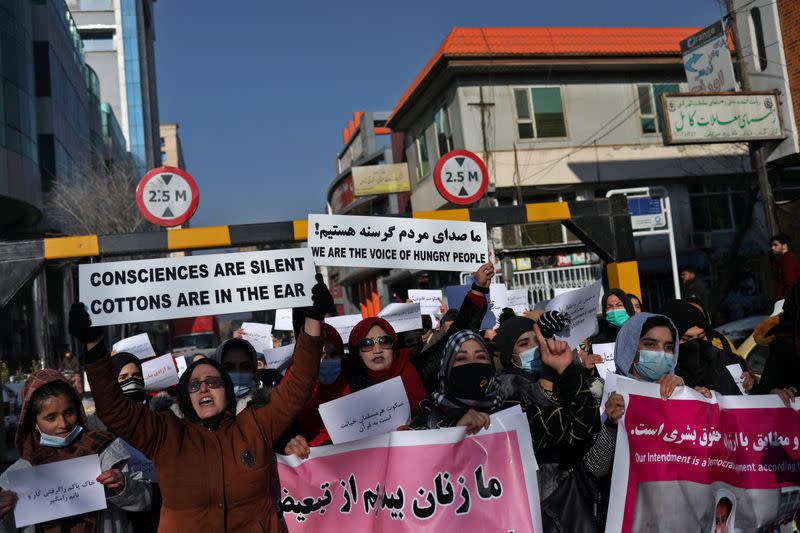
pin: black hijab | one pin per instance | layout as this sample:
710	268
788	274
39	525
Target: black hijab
185	402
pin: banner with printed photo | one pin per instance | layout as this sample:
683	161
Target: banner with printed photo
391	242
688	462
436	480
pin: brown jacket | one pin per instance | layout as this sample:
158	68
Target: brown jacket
211	480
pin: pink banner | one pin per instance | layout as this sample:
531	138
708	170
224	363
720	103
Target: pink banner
689	463
417	481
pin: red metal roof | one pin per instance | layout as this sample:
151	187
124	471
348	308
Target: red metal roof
544	42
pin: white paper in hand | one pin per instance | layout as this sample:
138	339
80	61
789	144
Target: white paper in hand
159	373
402	317
378	409
581	307
278	358
608	366
56	490
139	345
259	335
429	300
738	376
283	320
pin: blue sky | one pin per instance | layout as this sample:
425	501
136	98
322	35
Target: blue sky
262	90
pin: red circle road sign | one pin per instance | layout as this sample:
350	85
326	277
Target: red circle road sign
167	196
461	177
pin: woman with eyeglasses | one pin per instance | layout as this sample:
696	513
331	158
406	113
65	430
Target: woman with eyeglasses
214	467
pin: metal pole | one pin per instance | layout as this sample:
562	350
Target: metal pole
672	253
756	148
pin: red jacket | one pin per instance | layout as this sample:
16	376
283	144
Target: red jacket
788	273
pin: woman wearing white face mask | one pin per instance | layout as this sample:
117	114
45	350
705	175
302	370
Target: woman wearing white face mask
51	429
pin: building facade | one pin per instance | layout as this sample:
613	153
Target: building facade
571	114
118	37
171	147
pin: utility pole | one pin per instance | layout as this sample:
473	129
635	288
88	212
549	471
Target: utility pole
484	106
756	148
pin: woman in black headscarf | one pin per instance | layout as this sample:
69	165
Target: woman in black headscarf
700	363
616	310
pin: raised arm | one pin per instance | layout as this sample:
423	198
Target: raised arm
289	398
129	420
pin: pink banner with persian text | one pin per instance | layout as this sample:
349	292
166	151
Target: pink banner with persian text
730	463
437	480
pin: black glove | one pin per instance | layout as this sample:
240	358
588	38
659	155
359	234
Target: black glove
80	325
552	322
321	300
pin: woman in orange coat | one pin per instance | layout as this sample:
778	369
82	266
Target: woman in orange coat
214	467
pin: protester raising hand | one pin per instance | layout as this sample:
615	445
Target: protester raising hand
474	421
555	354
8	499
483	277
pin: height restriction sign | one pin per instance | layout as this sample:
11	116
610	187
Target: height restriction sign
167	196
461	177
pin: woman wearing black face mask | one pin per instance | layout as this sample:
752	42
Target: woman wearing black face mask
128	369
700	363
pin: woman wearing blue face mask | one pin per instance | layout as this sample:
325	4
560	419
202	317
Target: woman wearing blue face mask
308	429
616	309
240	360
51	429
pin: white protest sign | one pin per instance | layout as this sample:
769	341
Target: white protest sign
517	299
738	376
581	307
176	287
385	242
283	320
378	409
259	335
558	291
778	309
182	366
138	345
56	490
429	300
498	299
402	317
608	366
344	324
278	358
140	463
159	373
609	387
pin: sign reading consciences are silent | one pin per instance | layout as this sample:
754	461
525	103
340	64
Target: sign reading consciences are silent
162	289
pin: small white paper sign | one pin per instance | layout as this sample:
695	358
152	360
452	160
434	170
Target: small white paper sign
259	335
279	357
283	320
402	317
56	490
738	376
139	345
517	299
581	306
498	299
778	309
429	300
140	463
159	373
344	324
182	366
609	387
378	409
608	366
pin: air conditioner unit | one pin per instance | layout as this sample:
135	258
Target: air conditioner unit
509	237
701	239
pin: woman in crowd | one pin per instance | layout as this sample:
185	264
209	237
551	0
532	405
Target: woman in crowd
781	374
701	364
636	303
214	468
239	359
52	428
128	369
717	339
616	310
308	429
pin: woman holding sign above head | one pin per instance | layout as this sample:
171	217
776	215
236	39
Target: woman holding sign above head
53	428
214	468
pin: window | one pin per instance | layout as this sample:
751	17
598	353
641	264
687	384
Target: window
540	113
715	206
423	163
650	105
444	133
757	38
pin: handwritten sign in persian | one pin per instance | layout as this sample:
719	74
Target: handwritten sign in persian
55	490
580	308
389	242
378	409
381	179
721	117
